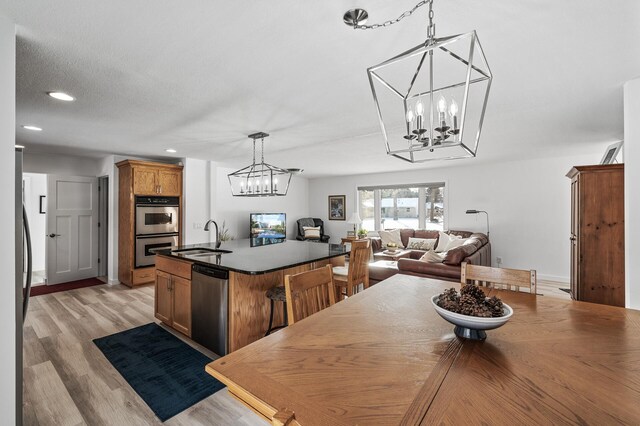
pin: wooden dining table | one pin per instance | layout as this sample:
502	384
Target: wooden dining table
385	357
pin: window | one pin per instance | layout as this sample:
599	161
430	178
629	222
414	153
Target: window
419	206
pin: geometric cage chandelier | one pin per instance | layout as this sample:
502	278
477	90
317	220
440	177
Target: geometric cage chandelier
259	179
431	99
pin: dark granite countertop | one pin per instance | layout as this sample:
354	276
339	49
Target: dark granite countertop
258	259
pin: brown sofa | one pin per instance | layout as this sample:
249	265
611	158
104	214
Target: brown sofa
477	252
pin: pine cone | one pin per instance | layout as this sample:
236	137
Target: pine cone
449	305
467	304
450	294
471	301
495	306
474	291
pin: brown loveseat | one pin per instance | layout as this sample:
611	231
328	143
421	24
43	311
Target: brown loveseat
477	251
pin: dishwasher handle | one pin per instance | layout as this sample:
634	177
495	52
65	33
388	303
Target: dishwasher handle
210	272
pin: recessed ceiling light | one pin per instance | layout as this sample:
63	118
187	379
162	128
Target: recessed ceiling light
61	96
171	150
34	128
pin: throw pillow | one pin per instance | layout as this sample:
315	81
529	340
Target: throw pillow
392	236
311	231
432	257
444	241
421	243
458	242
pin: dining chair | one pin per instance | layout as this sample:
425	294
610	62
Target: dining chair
356	273
499	278
309	292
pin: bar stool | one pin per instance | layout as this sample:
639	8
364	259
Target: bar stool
276	294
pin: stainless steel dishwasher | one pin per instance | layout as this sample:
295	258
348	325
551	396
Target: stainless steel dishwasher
209	308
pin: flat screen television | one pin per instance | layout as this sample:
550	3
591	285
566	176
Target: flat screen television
267	228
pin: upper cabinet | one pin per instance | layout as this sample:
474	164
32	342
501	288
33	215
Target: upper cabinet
170	182
144	180
150	180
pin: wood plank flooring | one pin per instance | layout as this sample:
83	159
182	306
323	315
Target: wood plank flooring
552	289
68	381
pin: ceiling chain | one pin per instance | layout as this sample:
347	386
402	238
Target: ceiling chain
399	18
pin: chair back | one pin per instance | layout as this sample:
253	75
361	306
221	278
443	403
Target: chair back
309	292
499	278
359	260
358	272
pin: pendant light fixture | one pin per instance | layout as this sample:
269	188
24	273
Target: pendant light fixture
259	179
431	99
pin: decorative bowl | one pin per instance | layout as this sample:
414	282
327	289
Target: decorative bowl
392	247
470	327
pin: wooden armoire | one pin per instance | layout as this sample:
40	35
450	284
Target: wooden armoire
597	234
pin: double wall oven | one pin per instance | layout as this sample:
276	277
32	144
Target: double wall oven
157	226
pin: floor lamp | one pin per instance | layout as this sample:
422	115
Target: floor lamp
481	211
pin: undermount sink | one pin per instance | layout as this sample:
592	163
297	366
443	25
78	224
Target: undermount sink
201	251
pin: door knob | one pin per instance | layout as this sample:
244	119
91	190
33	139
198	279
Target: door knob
53	235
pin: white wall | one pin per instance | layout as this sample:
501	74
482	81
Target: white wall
632	192
65	165
197	200
528	204
35	185
7	217
235	210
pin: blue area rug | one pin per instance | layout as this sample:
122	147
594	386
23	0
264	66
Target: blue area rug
167	373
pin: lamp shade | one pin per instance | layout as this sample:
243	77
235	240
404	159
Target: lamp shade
355	219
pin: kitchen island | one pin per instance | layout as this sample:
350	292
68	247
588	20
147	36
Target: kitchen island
252	270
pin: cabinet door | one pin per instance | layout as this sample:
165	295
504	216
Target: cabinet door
163	299
182	305
145	181
169	182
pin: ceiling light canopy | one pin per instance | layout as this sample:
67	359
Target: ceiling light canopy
259	179
31	127
61	96
431	99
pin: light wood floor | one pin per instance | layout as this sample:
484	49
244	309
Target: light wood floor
68	381
552	289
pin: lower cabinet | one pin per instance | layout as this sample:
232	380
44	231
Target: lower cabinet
173	298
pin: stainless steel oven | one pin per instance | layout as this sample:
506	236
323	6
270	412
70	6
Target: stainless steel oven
144	243
157	215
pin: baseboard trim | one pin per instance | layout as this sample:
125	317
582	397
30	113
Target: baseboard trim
555	278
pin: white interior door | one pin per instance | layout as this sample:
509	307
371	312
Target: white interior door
72	228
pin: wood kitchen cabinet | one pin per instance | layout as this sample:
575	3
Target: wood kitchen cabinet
143	178
173	294
156	181
163	297
597	234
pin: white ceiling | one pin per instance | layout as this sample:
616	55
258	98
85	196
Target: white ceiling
199	76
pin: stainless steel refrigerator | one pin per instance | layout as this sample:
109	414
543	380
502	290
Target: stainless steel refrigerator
23	276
